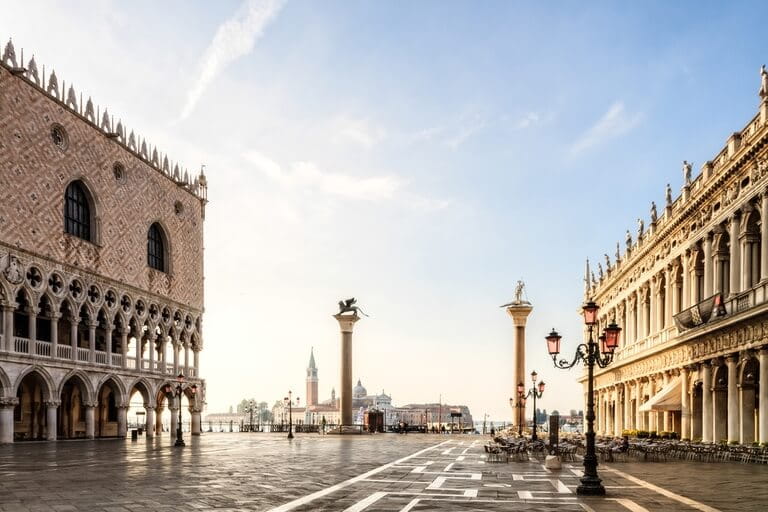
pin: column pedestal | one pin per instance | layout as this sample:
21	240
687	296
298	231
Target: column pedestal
733	400
90	420
707	424
122	421
52	409
195	422
174	421
150	421
346	325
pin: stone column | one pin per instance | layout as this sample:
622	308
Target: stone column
668	297
139	352
686	273
73	323
195	427
196	360
159	420
8	329
707	422
92	341
124	346
747	426
685	408
32	311
174	420
735	268
6	419
653	296
733	399
90	419
150	421
519	311
763	398
627	408
764	237
665	414
175	345
617	413
51	420
151	347
55	333
346	325
638	402
108	342
186	358
122	421
708	272
652	415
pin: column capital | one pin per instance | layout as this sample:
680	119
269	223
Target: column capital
126	407
10	401
90	405
52	403
346	323
55	316
92	324
732	358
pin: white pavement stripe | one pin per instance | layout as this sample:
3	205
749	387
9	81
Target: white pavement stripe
664	492
346	483
631	505
410	505
363	504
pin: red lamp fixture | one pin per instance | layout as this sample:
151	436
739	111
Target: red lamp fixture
534	375
541	387
612	336
590	313
553	343
520	388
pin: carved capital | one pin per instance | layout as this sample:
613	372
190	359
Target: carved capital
10	401
90	405
52	403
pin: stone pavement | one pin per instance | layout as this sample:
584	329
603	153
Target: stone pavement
354	474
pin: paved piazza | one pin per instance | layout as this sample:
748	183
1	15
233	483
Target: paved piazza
360	473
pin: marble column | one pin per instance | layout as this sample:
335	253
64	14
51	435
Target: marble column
90	419
92	341
665	415
627	407
149	426
747	425
196	359
139	352
668	297
733	399
175	345
196	429
519	311
652	415
6	419
55	333
618	420
51	419
346	325
763	398
151	348
653	296
174	420
8	328
159	420
686	273
708	272
108	342
707	422
32	312
735	257
638	402
685	409
764	237
74	321
124	346
186	358
122	421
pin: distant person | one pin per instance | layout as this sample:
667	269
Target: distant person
493	431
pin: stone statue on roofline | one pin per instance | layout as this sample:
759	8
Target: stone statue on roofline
600	271
687	172
668	195
763	82
628	239
640	228
607	262
654	214
618	251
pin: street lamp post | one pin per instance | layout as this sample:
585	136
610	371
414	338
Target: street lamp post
517	404
249	410
590	354
177	392
535	393
289	401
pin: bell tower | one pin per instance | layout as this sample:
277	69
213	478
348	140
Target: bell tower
311	380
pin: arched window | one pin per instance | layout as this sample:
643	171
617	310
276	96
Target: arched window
156	248
77	211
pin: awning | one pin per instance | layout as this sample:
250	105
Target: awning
668	399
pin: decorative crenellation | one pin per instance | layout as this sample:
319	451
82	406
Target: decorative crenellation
102	120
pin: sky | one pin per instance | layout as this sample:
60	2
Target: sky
420	156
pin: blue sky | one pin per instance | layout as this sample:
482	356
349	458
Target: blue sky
422	156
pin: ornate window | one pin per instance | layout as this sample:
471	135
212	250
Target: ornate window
77	211
156	248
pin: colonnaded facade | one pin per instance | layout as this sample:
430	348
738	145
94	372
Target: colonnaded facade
101	266
691	294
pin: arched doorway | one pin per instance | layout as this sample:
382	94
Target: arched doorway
30	420
697	412
720	403
107	416
140	412
72	416
748	398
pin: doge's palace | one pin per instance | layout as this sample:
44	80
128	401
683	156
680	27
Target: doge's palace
101	266
690	291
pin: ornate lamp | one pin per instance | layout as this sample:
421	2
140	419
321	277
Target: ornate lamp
553	343
590	313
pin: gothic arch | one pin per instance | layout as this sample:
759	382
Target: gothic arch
44	376
94	205
118	385
5	384
85	384
166	245
144	388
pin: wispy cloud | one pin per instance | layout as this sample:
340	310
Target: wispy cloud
234	38
530	119
614	123
452	134
308	175
362	132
